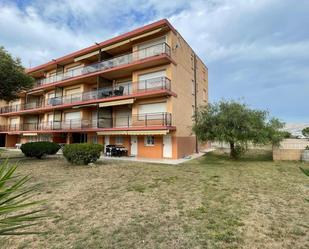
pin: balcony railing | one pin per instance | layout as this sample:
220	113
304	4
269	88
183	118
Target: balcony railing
125	121
116	61
159	83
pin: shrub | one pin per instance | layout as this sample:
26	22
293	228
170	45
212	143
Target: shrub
82	154
39	149
307	147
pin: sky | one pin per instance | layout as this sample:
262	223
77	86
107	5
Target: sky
256	51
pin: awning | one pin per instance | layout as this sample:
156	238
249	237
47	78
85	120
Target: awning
85	56
146	34
149	132
117	102
29	134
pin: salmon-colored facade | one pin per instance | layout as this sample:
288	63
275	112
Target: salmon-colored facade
139	90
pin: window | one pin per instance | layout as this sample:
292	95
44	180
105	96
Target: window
204	95
94	139
193	87
119	140
151	80
149	140
204	75
151	48
153	111
74	71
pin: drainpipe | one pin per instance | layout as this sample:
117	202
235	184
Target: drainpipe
195	99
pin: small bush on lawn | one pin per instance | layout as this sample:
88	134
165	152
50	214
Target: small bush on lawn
82	154
39	149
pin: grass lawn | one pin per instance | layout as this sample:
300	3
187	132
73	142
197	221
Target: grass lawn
211	202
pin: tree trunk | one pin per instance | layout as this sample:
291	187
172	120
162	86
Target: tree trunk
232	152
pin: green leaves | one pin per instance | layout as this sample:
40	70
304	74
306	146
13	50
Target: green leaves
16	202
236	124
82	154
13	78
40	149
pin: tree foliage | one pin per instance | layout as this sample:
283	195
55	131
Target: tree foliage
236	124
305	132
13	78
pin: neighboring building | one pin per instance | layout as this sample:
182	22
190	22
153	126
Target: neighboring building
139	89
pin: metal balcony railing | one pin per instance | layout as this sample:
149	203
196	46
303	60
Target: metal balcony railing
136	120
158	83
161	48
123	121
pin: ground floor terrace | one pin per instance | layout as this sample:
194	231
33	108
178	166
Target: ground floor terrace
155	144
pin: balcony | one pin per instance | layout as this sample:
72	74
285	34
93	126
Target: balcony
137	121
154	86
126	59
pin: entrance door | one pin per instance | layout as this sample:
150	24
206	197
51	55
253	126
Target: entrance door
2	140
167	146
106	142
79	138
133	145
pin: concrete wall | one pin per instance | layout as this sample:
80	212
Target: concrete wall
290	149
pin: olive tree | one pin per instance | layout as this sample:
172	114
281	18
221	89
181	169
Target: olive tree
13	78
235	123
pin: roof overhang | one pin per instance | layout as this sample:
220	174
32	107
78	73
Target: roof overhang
95	48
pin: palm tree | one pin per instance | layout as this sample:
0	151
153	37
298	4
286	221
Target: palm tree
15	202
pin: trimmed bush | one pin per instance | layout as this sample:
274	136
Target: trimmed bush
39	149
82	154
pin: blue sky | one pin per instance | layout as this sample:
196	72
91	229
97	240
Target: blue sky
256	50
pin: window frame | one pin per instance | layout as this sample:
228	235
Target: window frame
119	142
152	140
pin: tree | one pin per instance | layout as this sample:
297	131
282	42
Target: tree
15	201
305	132
236	124
13	78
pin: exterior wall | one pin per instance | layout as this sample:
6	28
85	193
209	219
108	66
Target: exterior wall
155	151
290	150
185	146
182	77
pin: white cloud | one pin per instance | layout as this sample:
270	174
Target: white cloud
252	47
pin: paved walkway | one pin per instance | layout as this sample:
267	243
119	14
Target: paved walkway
161	161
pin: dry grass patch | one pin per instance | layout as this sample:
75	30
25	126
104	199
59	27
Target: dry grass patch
211	202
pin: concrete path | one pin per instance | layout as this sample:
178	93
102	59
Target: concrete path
161	161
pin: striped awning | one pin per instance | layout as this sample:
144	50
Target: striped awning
149	132
117	102
29	134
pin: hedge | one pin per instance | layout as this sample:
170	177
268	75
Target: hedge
82	154
39	149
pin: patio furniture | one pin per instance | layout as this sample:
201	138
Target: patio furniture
119	92
106	93
115	151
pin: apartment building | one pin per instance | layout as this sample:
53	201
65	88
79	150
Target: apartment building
139	90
